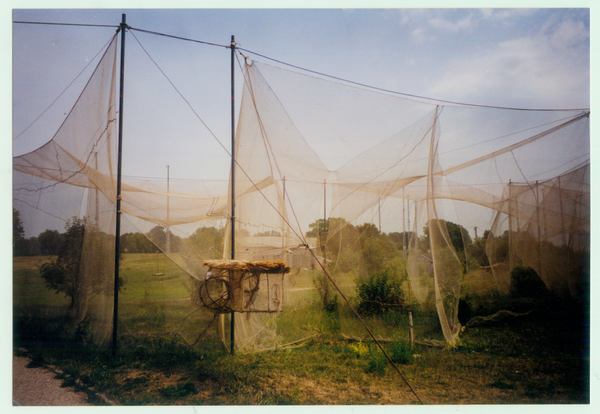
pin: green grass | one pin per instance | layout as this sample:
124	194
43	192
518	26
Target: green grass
541	358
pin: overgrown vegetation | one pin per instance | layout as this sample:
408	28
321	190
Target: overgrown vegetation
542	357
379	294
525	283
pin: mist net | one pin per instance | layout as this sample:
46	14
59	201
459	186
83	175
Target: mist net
328	176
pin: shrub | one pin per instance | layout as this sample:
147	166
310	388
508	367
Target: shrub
377	362
401	352
359	349
379	294
331	314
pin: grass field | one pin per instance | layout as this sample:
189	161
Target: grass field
539	358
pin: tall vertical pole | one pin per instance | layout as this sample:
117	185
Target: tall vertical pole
403	226
284	229
539	232
379	211
562	215
168	232
118	215
325	227
510	236
97	212
232	334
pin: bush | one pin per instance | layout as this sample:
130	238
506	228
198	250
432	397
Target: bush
331	315
377	362
378	295
525	283
401	352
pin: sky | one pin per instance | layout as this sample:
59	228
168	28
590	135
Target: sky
525	57
533	58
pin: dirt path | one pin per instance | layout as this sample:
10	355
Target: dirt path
38	387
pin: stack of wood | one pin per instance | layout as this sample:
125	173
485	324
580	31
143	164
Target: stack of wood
267	266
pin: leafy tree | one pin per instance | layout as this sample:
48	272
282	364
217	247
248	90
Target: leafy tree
158	237
318	228
208	242
459	236
50	242
477	251
368	230
18	233
30	247
65	274
379	294
136	243
377	251
401	238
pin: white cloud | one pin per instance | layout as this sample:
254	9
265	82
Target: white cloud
546	70
419	35
449	26
569	34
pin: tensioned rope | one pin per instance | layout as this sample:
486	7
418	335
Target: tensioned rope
358	83
414	96
218	140
64	90
321	74
300	236
433	100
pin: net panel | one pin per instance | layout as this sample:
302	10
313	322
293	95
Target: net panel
327	175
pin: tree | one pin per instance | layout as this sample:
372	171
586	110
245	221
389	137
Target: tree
477	251
50	242
208	242
368	230
31	247
459	236
65	274
158	237
136	243
377	251
18	233
318	228
401	238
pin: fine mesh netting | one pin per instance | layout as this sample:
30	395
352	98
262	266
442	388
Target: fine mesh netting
328	175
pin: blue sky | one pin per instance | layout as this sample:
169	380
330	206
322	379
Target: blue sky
533	58
530	58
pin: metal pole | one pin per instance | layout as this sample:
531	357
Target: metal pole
123	26
539	227
96	213
232	334
403	226
325	227
510	236
168	235
379	211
